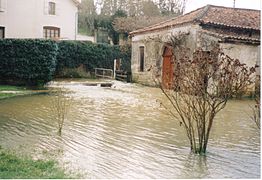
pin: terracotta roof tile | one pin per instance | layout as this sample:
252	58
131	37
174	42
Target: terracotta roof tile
233	17
210	14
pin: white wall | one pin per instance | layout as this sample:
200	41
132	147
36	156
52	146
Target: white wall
81	37
248	54
26	18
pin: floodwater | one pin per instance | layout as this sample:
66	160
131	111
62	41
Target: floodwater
122	132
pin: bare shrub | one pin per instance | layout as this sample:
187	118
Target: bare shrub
201	88
255	117
60	107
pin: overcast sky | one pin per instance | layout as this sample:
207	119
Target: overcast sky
249	4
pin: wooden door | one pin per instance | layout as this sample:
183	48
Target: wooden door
167	68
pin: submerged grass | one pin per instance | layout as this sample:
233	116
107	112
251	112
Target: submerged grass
7	91
4	91
15	167
11	88
7	95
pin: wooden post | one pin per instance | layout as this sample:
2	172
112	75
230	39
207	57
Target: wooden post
114	69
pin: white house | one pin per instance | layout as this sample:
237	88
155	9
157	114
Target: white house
55	19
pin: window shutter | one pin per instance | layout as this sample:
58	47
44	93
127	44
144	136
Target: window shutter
46	7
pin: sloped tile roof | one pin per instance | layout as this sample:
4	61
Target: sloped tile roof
232	17
210	14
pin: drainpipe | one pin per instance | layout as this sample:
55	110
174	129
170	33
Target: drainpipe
76	24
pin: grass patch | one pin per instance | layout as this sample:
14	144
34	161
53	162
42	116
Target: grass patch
11	88
14	167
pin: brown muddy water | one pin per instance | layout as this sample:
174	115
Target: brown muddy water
122	132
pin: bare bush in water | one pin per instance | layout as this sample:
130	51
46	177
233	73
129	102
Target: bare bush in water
255	117
60	107
201	88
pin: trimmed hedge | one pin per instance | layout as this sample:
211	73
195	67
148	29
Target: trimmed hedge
31	62
34	62
74	53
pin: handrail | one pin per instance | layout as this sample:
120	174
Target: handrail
103	74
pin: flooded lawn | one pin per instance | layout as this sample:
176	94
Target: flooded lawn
122	132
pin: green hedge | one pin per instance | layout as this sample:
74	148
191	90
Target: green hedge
30	62
34	62
74	53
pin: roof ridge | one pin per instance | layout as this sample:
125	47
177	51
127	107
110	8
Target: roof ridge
203	13
217	6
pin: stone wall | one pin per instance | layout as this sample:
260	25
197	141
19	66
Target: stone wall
153	44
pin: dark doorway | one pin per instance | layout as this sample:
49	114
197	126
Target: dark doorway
2	32
141	59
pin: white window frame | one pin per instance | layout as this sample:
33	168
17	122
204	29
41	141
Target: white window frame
50	10
46	7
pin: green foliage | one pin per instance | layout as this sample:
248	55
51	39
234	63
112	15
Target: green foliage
72	54
12	167
104	23
126	57
30	62
34	62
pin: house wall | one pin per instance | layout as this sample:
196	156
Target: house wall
153	49
25	19
248	54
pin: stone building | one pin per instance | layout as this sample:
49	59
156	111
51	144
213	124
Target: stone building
237	31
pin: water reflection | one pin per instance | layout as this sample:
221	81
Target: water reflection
198	165
122	132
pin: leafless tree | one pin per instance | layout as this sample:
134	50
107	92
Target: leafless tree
128	24
201	88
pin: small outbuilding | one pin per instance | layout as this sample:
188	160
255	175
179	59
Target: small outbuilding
236	31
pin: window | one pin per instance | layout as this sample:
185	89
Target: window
141	59
2	32
51	8
50	32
